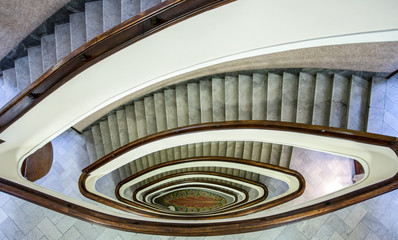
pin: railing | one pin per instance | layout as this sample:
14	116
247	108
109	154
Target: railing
133	30
219	228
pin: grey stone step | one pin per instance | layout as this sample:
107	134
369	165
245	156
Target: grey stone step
289	97
106	136
245	95
305	99
266	150
286	156
114	131
77	30
140	118
275	154
130	8
358	104
218	98
122	127
92	155
94	19
259	101
340	101
99	146
111	13
231	103
247	154
131	123
193	103
115	141
62	40
48	52
10	82
182	105
22	73
238	153
377	105
35	63
150	115
147	4
206	102
160	111
274	97
322	100
171	108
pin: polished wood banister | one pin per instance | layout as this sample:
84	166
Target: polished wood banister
353	135
194	184
135	29
206	215
242	226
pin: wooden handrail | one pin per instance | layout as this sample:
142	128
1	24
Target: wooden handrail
203	215
135	29
194	184
219	228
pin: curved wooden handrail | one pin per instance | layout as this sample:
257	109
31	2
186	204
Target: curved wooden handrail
242	226
148	211
194	185
186	216
135	29
206	215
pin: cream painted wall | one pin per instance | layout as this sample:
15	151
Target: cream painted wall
241	29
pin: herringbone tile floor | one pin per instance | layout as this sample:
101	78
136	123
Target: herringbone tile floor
373	219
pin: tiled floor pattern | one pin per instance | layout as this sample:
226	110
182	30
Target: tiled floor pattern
376	218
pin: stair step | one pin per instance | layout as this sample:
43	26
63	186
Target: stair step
231	103
182	105
171	108
275	154
266	152
377	105
106	136
322	100
358	104
48	52
122	127
140	118
274	97
206	102
218	98
130	8
94	19
62	40
147	4
131	123
193	103
150	115
10	82
259	106
99	146
77	30
305	99
112	13
88	136
286	156
35	63
22	73
114	131
289	97
160	111
340	101
245	97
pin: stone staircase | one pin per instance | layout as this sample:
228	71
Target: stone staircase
98	17
319	97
